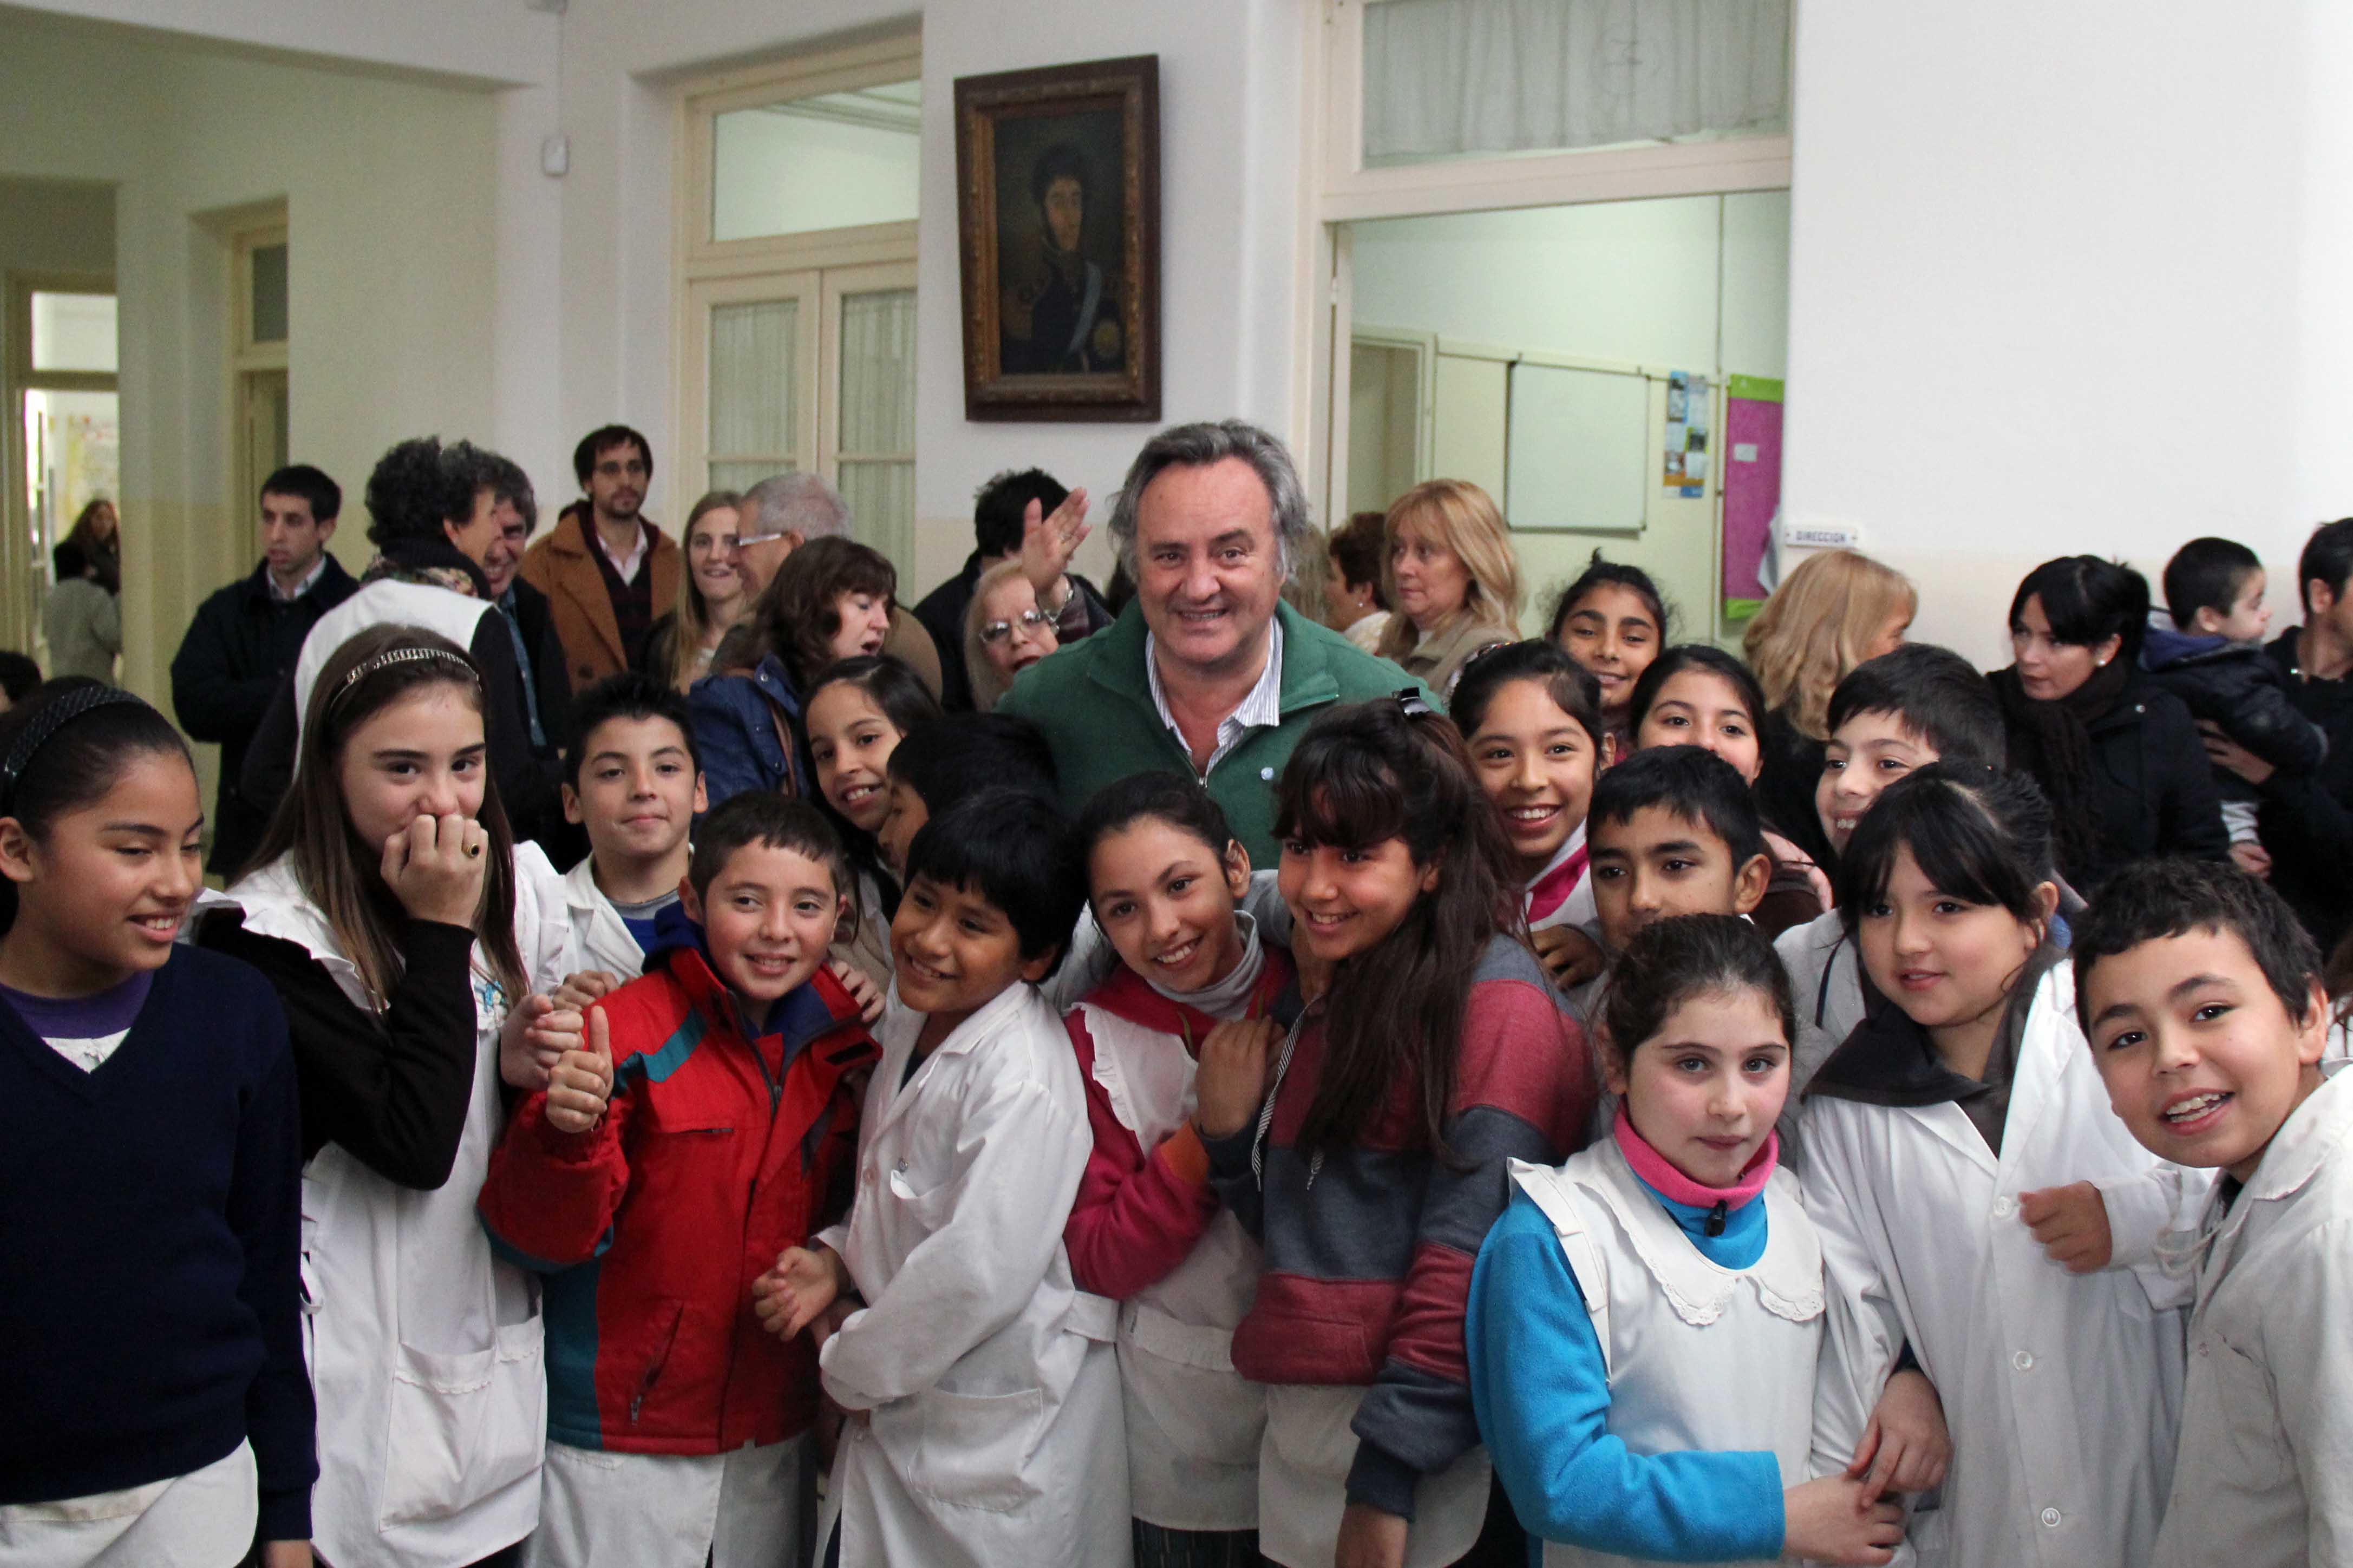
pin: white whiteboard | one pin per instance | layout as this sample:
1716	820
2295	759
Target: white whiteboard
1577	449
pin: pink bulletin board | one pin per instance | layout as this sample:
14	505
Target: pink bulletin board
1752	480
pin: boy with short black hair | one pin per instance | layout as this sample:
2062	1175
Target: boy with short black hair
1672	830
934	765
1891	716
697	1129
635	784
2201	995
2208	651
988	1423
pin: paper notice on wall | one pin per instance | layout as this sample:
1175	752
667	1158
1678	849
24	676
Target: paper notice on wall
1685	470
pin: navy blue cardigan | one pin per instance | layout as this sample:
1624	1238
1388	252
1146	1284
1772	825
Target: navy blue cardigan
151	1247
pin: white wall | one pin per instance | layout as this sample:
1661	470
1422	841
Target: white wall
1619	280
1230	145
2068	278
1697	283
389	190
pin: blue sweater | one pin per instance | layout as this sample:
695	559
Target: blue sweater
1542	1395
150	1250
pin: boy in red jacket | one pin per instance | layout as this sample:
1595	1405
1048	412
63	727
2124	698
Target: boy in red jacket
699	1132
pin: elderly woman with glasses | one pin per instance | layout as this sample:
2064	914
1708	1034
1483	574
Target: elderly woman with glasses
1005	633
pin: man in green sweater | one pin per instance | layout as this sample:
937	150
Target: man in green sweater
1207	671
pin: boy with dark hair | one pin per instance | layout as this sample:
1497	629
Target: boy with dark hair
939	764
952	1264
2201	996
2211	657
1016	516
712	1100
18	677
1672	830
1890	716
636	786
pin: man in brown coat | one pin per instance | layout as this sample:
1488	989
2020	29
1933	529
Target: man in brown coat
608	573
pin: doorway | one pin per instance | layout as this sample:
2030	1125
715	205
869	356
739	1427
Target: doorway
65	432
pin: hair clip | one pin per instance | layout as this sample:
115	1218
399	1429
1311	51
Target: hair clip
54	715
1411	704
412	655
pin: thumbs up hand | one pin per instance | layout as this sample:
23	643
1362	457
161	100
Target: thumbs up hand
582	1080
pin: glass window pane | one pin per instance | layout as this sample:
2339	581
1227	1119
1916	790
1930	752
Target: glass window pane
1451	78
881	498
270	294
73	454
73	333
878	371
753	413
834	161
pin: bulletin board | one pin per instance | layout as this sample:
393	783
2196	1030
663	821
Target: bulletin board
1752	481
1576	454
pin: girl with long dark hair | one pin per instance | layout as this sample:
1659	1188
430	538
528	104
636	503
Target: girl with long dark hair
1438	1052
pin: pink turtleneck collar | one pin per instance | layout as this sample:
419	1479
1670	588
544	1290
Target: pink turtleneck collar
1671	1185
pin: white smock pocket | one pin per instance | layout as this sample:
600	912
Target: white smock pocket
971	1450
462	1427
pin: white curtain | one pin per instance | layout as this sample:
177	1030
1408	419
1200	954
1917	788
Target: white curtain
878	419
1444	78
752	404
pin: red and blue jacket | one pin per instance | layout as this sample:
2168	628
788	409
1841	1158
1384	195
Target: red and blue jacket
716	1151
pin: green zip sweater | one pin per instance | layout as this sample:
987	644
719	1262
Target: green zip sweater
1093	699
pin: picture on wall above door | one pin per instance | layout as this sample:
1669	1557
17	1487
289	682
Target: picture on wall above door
1058	215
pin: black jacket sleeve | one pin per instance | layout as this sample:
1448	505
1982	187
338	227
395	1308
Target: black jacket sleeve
268	771
526	784
2189	810
392	1087
264	1208
2265	722
214	700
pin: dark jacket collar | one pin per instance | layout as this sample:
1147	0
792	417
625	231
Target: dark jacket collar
812	1011
333	586
1888	1059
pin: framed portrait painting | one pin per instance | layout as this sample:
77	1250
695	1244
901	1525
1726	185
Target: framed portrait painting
1057	211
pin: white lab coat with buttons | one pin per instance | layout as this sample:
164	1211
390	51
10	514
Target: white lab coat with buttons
598	940
994	1438
424	1349
2265	1477
2063	1391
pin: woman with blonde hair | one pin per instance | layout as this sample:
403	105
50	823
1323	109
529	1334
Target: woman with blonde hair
713	595
1452	580
1005	633
1835	610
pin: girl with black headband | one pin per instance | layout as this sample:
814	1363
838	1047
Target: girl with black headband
154	1408
408	933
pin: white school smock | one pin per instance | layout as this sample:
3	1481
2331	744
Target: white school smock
1701	1358
994	1434
425	1351
740	1509
1826	983
597	938
1194	1424
2267	1419
2063	1391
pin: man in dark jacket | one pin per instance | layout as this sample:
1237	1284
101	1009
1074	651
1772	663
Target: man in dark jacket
1002	532
244	639
2307	818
